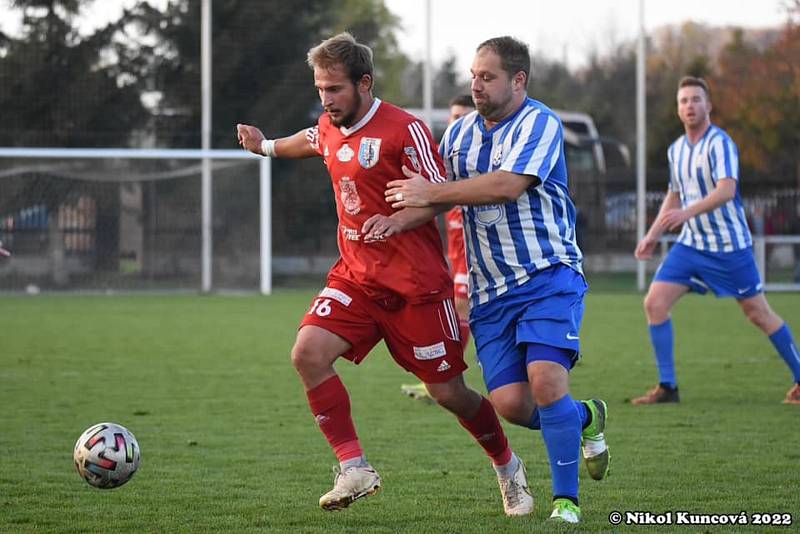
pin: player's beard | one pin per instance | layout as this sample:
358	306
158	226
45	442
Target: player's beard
348	119
493	110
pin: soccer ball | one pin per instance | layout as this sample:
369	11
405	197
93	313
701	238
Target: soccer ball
106	455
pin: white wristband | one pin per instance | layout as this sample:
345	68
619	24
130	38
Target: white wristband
268	148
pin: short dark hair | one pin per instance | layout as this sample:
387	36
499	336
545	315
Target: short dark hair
462	100
342	49
693	81
514	55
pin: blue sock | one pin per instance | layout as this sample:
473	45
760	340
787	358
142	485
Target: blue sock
787	348
661	338
561	430
535	423
583	412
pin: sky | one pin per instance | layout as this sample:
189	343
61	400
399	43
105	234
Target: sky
559	29
562	29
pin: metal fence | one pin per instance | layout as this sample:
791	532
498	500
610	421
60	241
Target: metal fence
133	224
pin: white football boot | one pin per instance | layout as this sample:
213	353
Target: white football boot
349	486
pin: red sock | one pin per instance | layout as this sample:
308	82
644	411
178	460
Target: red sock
486	429
463	330
330	405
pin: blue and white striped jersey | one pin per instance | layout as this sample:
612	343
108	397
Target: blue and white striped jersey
694	173
508	243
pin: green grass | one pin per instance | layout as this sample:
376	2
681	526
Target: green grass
228	443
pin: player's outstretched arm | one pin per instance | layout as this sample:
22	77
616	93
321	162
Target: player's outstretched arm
296	146
381	226
496	187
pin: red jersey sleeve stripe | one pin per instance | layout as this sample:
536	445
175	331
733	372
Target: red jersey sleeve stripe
425	152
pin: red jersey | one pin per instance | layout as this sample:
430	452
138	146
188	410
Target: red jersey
361	160
456	253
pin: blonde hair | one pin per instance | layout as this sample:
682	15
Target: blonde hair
342	49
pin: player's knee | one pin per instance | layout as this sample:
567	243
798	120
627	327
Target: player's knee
546	390
514	410
455	397
759	316
305	355
655	307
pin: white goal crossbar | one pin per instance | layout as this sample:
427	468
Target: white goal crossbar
265	187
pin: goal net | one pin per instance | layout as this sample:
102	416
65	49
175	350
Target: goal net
106	220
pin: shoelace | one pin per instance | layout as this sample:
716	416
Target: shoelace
512	491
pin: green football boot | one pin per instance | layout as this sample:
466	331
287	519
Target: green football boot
593	442
565	511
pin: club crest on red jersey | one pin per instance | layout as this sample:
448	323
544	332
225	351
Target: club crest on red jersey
411	152
345	153
349	195
369	152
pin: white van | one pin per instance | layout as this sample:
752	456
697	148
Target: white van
585	149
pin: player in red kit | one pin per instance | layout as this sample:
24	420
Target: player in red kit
456	256
394	289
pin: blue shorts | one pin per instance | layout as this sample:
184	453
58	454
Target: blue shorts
727	274
546	310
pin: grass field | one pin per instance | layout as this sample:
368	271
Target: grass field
228	443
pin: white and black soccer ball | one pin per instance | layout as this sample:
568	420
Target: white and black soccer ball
106	455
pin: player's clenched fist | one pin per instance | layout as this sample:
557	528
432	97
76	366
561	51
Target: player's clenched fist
250	138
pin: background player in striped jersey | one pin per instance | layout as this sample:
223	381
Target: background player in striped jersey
456	254
396	290
714	249
508	168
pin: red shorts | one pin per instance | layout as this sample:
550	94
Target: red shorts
422	338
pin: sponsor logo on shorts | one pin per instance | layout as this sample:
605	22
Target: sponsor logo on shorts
444	366
336	295
431	352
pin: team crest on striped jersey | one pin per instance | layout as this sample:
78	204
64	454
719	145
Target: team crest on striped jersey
497	159
369	151
349	195
489	215
411	152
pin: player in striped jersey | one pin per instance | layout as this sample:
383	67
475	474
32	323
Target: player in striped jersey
396	290
507	168
714	249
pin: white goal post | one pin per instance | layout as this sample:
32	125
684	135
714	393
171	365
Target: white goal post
265	196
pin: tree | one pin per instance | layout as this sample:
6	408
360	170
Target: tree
57	88
758	95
